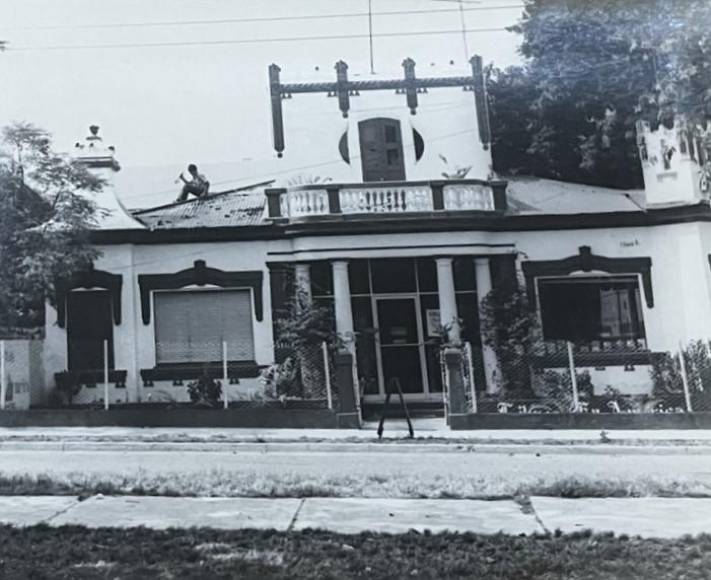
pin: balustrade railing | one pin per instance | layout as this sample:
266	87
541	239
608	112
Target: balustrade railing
386	198
397	199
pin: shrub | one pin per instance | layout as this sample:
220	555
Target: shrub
205	391
511	328
67	387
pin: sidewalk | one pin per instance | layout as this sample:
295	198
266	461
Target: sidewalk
427	431
647	517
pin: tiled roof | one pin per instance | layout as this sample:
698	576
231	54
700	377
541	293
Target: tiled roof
230	208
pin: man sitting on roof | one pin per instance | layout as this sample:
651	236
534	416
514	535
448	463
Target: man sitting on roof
198	185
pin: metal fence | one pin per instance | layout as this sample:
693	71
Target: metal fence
563	377
303	372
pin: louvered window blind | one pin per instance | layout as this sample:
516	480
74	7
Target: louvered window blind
191	326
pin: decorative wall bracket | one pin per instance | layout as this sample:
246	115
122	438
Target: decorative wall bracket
586	261
200	275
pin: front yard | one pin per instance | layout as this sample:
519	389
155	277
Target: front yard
78	553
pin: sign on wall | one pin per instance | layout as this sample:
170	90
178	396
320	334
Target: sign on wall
434	322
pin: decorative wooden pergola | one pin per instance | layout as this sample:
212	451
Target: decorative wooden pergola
410	86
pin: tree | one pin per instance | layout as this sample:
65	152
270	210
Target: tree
44	223
593	68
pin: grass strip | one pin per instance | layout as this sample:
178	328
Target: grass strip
141	554
224	483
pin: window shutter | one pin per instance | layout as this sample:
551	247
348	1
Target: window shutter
192	325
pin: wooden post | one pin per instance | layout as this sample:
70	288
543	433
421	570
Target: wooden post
106	375
684	378
327	375
225	378
573	378
3	378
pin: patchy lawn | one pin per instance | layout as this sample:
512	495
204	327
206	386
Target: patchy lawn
137	554
222	483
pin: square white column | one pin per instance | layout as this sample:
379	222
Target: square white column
342	303
483	287
302	279
449	318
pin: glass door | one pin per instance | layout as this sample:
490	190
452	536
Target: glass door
400	349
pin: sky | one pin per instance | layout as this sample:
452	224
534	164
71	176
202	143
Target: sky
180	81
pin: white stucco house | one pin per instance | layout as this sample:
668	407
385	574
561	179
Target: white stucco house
409	231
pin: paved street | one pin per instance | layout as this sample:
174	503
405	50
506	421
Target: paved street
506	461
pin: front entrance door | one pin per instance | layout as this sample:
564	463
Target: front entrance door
381	150
401	352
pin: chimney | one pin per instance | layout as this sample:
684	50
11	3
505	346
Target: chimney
100	160
672	158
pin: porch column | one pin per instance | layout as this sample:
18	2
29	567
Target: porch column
342	303
447	299
302	279
483	287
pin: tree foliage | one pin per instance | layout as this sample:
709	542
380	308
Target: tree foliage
44	223
592	69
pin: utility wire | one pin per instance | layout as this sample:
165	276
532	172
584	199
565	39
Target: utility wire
259	19
249	40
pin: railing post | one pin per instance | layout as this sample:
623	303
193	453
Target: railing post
437	188
684	379
106	375
274	202
470	368
334	199
498	189
573	378
456	388
225	378
348	413
3	378
327	374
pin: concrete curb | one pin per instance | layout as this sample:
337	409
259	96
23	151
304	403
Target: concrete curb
653	448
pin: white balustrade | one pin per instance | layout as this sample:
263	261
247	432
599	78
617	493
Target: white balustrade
379	199
304	203
395	199
459	196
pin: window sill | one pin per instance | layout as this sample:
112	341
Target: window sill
179	372
92	377
619	358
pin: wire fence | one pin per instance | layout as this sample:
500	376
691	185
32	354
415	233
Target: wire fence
306	371
617	377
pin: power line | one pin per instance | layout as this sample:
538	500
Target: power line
259	19
251	40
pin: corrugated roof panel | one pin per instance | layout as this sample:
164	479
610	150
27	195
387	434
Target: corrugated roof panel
237	208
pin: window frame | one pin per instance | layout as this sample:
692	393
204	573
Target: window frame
194	289
637	313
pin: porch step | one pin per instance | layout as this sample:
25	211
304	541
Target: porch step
372	411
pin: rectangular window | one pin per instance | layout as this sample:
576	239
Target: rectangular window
190	326
587	309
